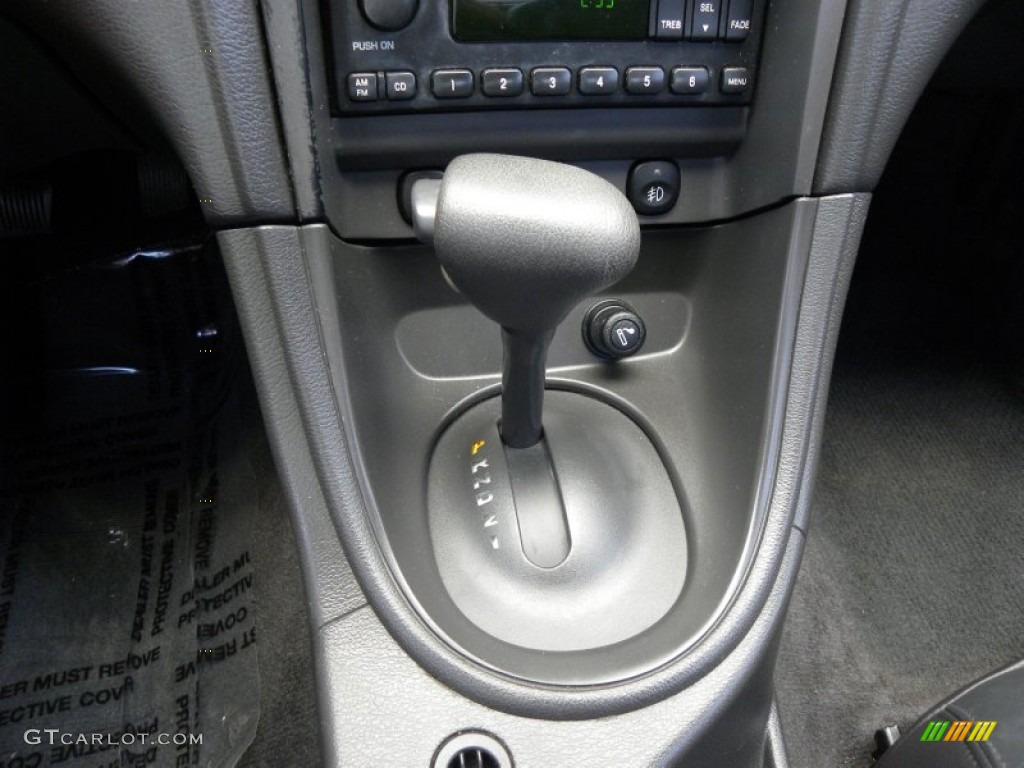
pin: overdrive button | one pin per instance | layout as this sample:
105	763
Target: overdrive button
451	83
653	187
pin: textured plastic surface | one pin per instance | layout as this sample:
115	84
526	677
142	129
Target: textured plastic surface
195	72
890	49
628	559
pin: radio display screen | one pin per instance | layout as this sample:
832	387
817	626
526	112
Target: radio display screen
524	20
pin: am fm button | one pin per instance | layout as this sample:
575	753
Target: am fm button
362	86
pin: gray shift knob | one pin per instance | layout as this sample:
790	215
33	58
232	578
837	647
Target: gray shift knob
525	240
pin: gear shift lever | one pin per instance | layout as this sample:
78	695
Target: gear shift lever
525	240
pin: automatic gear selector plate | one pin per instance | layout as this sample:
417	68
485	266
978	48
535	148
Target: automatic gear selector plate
623	525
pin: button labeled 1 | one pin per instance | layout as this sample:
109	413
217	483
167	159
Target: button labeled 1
451	83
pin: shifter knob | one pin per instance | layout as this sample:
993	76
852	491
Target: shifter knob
525	240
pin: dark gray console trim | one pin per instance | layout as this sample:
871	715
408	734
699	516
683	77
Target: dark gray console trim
889	50
197	71
331	588
290	258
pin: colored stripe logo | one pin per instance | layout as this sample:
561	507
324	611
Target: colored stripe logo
958	730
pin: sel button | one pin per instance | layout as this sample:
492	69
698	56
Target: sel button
704	23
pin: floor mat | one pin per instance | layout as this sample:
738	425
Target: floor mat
127	615
911	583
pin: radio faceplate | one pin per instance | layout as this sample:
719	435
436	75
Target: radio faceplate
697	53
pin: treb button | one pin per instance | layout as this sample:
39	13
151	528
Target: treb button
671	19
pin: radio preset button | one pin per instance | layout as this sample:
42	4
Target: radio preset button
645	80
595	81
550	81
362	86
671	18
501	82
451	83
738	22
705	19
400	85
735	80
690	81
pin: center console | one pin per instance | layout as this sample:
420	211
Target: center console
547	349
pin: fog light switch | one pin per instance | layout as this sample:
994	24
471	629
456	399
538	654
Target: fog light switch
653	187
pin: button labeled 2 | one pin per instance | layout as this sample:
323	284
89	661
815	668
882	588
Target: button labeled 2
501	82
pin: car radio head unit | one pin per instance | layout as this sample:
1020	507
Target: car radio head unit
394	56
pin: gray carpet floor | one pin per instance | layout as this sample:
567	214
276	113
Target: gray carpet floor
912	583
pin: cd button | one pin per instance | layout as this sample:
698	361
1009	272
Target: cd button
451	83
599	80
690	81
550	81
400	85
671	15
501	82
645	80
